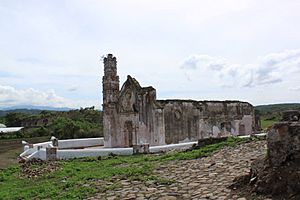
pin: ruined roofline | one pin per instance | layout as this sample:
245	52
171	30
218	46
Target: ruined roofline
201	101
148	89
134	82
137	84
141	89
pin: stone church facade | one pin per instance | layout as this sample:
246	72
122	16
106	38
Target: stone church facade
132	115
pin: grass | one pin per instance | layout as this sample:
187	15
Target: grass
267	123
77	178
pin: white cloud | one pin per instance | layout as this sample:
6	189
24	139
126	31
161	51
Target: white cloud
73	88
58	44
10	96
270	69
295	88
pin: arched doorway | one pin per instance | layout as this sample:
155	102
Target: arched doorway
128	132
242	129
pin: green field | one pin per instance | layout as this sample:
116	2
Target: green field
267	123
269	114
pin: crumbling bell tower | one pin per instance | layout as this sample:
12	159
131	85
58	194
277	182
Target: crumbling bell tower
110	83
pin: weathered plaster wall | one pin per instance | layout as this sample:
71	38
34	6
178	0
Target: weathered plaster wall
187	120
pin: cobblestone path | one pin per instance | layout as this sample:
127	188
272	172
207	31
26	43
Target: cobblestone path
204	178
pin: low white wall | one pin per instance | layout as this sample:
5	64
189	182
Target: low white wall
73	143
79	153
169	147
10	129
42	145
41	154
27	152
80	143
94	152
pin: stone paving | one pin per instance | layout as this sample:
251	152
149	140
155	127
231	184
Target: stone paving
204	178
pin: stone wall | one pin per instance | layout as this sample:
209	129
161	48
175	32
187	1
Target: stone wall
283	142
278	173
284	138
291	115
188	120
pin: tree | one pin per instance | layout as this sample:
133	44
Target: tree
2	120
14	119
64	128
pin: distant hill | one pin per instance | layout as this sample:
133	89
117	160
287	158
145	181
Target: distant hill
29	109
25	111
269	114
273	112
276	108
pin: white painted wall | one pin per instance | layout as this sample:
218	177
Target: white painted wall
10	129
94	152
80	143
79	153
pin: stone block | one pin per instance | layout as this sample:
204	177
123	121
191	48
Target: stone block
55	143
51	153
208	141
283	142
291	115
141	148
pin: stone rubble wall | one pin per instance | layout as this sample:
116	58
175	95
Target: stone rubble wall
278	173
192	120
283	142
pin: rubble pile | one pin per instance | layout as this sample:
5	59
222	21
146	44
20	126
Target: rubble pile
37	167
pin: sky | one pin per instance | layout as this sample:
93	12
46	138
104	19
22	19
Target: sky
51	50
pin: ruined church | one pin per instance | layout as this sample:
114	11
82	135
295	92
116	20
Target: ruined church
132	115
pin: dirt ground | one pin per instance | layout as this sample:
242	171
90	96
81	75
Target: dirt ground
10	150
